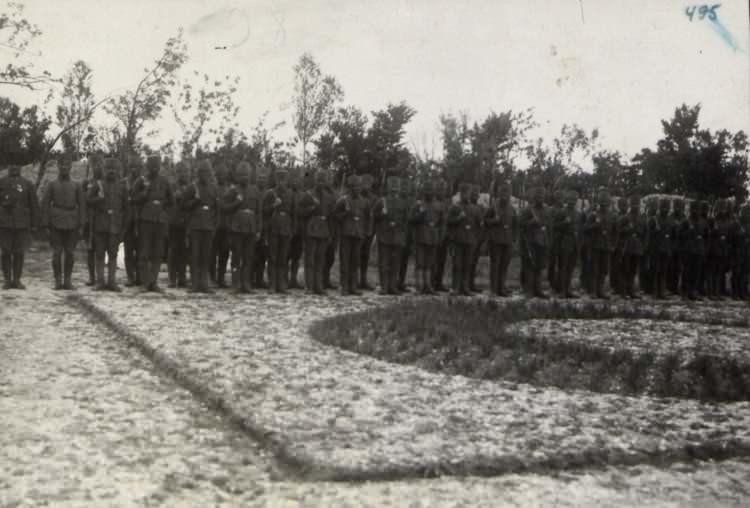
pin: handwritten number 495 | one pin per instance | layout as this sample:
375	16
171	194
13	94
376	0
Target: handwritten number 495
703	11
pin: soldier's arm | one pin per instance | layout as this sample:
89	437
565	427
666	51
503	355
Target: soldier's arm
268	201
454	215
339	211
230	201
92	195
140	192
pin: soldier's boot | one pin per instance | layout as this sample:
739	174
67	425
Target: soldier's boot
112	276
5	259
91	265
57	271
99	269
68	272
154	279
221	271
246	278
282	273
18	270
427	282
294	274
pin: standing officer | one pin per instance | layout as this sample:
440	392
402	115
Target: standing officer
480	238
220	248
152	195
408	195
534	243
585	255
130	238
369	196
316	208
646	271
615	265
427	217
553	261
108	200
465	220
718	256
296	243
661	230
601	226
63	212
631	231
675	277
242	206
278	206
501	224
442	201
200	200
692	235
97	173
177	234
261	246
334	241
19	214
351	214
391	215
566	232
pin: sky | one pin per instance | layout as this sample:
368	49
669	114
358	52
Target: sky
619	66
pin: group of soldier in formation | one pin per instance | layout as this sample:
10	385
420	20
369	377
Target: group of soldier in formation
269	229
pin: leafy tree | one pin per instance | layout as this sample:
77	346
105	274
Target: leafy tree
145	103
75	109
314	100
24	133
550	164
210	109
385	139
16	33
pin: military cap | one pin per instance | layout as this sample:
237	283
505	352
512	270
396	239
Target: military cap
204	165
367	180
95	159
112	163
428	187
321	176
571	195
243	167
294	175
281	175
220	169
153	162
182	166
64	160
635	201
602	197
464	187
134	161
353	181
394	184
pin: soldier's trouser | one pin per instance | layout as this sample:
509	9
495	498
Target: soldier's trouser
278	254
219	255
178	255
296	247
553	269
659	269
90	251
106	245
364	260
736	276
462	257
674	273
406	253
63	243
646	273
425	256
390	262
693	264
441	256
200	258
315	257
472	275
130	244
349	253
715	268
330	258
243	255
151	239
533	268
261	256
629	269
585	275
599	269
13	244
500	255
566	266
615	273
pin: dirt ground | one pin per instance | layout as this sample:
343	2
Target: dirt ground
88	419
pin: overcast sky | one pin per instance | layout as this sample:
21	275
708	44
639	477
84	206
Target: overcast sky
621	66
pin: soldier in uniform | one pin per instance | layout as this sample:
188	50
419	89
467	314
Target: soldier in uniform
615	266
566	232
737	236
333	244
744	253
109	202
364	259
296	243
631	237
19	214
553	260
391	215
350	211
585	254
675	282
601	226
152	195
441	254
465	220
501	225
220	248
718	256
692	235
661	229
316	208
177	233
63	212
480	239
427	218
201	201
241	205
261	246
130	238
408	194
534	243
278	207
97	173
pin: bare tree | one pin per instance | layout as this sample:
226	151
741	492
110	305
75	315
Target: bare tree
16	33
75	108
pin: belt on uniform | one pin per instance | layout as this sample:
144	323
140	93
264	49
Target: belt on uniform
246	210
204	207
323	217
110	211
74	207
282	213
156	202
356	218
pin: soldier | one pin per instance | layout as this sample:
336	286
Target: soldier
97	173
278	207
645	273
220	248
553	261
675	282
130	237
316	208
703	213
631	237
19	214
566	232
465	220
391	215
692	236
108	199
261	246
501	226
601	226
350	211
296	243
364	259
427	218
442	201
615	266
661	231
585	254
534	243
333	244
737	238
177	233
152	195
718	254
408	194
200	200
474	195
744	254
241	204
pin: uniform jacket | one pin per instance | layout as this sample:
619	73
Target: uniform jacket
19	207
152	197
501	224
533	227
109	205
64	205
693	234
178	216
279	217
602	228
427	218
201	201
465	220
351	214
661	232
631	235
566	230
243	209
391	214
316	208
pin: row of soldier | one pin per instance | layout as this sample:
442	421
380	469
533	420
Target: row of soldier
271	230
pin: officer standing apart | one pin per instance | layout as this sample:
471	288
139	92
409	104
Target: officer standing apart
19	215
200	201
